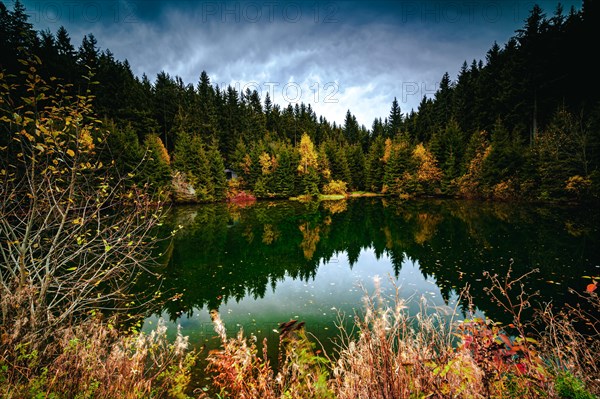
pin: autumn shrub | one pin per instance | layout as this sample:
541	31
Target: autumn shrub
469	184
74	231
240	371
504	191
427	175
93	360
397	355
235	193
335	187
578	186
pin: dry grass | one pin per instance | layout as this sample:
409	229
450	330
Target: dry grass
395	355
391	354
570	340
93	360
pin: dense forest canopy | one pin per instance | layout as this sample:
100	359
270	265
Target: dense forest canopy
524	123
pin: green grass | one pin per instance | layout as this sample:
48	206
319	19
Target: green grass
364	194
330	197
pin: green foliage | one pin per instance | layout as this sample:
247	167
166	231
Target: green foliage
568	386
203	166
305	373
505	158
284	177
216	173
561	153
356	166
398	166
374	165
122	147
448	147
269	170
337	161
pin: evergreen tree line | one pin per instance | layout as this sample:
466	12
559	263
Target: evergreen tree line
523	123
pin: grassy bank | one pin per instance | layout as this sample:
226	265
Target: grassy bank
388	353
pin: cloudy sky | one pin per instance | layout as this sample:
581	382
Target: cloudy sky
335	55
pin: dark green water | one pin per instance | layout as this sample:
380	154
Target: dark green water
269	262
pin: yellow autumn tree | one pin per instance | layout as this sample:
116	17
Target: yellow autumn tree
468	185
246	164
387	151
268	163
154	143
308	166
308	155
265	163
157	164
310	239
428	174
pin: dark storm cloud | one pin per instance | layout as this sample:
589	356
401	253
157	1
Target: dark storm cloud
335	55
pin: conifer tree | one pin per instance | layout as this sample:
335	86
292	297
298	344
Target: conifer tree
356	165
395	119
374	167
284	176
157	162
216	171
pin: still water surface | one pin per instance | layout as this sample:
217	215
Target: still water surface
270	262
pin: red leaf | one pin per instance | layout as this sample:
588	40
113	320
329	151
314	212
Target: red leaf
592	287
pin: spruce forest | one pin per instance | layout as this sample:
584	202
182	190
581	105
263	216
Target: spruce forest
521	124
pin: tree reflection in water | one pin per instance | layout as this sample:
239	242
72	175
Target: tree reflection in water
225	253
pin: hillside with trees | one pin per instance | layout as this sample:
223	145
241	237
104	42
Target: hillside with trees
522	124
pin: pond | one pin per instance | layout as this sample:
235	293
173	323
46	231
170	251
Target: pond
268	262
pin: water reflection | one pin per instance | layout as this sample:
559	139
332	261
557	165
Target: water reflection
269	262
